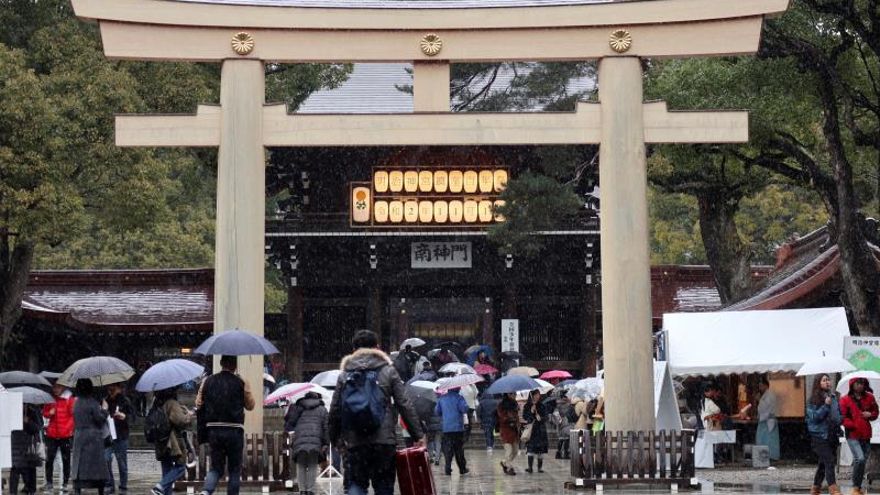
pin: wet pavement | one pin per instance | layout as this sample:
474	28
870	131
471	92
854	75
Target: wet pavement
486	477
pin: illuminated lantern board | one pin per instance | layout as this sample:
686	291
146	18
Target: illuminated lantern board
433	197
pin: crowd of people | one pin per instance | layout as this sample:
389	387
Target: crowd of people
75	425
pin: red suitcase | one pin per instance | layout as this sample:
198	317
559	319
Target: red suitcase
414	473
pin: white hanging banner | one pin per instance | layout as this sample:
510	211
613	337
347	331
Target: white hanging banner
441	255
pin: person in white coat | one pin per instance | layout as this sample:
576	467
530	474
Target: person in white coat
768	429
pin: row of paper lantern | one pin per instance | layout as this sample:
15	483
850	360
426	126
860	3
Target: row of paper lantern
440	181
437	212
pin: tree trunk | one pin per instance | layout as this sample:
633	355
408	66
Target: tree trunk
15	266
729	257
860	274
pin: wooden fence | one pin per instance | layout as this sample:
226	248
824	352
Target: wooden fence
265	464
615	458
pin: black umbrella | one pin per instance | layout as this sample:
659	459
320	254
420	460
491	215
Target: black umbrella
13	378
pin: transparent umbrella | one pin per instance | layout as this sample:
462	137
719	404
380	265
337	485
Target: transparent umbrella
327	378
102	370
13	378
31	395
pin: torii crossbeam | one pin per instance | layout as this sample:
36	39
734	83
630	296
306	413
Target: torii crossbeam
242	34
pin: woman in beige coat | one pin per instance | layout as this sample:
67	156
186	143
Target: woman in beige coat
171	453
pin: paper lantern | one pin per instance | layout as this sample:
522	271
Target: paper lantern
380	181
410	181
471	180
380	211
500	179
441	211
426	211
487	181
411	211
426	181
441	181
360	204
395	181
471	211
485	211
456	211
498	216
456	179
395	211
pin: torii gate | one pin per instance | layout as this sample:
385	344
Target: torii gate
243	34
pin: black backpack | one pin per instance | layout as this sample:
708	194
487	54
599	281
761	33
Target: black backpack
157	428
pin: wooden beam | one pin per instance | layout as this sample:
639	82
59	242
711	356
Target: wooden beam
206	14
201	129
212	44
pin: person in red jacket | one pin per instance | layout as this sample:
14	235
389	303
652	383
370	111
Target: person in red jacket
59	433
857	409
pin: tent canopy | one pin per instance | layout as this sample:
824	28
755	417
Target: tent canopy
731	342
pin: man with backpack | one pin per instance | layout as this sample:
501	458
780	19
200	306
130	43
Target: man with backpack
363	416
222	400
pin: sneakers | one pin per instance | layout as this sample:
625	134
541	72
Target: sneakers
48	488
191	461
464	471
157	490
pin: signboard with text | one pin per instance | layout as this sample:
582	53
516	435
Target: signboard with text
509	335
441	255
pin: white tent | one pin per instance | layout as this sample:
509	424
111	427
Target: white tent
665	404
730	342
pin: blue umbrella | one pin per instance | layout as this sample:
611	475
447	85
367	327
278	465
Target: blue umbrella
236	343
472	351
511	384
167	374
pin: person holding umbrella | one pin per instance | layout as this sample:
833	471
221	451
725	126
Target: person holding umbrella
171	452
25	455
823	425
59	434
120	409
224	397
88	467
509	427
307	418
535	413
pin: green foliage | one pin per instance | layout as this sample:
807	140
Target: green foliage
533	203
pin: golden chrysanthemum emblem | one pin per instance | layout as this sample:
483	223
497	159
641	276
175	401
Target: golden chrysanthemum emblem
620	40
431	44
242	43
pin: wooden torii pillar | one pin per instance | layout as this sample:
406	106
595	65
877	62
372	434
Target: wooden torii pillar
242	36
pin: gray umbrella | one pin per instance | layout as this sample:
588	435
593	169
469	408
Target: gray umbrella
32	395
50	375
236	343
102	370
13	378
167	374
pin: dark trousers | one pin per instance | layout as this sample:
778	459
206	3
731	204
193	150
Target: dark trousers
562	448
372	464
53	445
28	478
227	444
119	450
826	450
454	443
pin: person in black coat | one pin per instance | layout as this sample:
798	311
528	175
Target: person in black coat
307	419
25	455
536	413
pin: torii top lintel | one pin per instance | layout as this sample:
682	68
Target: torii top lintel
379	31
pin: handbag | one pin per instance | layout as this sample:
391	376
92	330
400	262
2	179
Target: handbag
36	451
526	433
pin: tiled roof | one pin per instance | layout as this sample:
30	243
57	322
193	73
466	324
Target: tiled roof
403	4
123	300
373	88
182	300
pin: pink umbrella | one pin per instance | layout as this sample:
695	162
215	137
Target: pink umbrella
550	375
289	390
485	369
